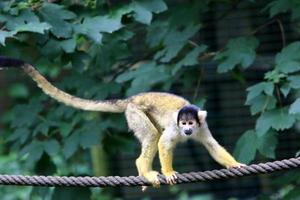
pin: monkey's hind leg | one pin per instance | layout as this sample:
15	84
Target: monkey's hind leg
148	136
166	148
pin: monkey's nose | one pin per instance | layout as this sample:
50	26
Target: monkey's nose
188	131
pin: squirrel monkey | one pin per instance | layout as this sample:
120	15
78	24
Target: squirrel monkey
158	120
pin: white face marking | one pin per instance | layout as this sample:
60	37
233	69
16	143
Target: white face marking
188	127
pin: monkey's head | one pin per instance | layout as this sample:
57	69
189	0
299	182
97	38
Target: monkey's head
189	119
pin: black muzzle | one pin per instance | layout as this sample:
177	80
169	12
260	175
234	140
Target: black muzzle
188	132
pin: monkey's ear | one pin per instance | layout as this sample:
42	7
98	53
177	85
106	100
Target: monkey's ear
202	116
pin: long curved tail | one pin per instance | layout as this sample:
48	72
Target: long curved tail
61	96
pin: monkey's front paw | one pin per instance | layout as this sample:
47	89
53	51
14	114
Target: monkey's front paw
236	165
152	177
171	177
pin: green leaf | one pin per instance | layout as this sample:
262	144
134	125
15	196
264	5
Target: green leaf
288	53
68	45
145	83
34	151
294	81
6	34
105	24
131	74
268	88
65	128
51	147
142	14
18	90
170	52
251	141
267	144
19	134
279	119
246	146
295	107
143	10
285	89
174	41
257	89
22	17
145	76
51	48
42	128
90	33
95	26
296	11
143	68
26	114
282	6
261	103
57	17
89	139
190	58
275	76
90	134
103	91
26	21
239	51
155	6
288	60
289	66
156	33
278	6
59	11
55	47
35	27
71	144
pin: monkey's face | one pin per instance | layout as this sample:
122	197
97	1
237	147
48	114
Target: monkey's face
188	126
189	120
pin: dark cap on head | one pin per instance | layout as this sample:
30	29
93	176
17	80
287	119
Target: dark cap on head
188	112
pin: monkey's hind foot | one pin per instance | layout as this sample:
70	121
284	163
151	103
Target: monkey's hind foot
152	177
171	177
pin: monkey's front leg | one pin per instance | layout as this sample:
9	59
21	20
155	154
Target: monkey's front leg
165	149
219	153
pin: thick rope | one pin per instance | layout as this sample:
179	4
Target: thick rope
58	181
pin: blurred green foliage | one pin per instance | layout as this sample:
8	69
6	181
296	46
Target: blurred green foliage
100	49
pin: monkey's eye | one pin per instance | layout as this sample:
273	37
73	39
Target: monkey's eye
183	123
191	123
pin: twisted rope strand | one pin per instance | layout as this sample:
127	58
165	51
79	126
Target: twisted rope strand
112	181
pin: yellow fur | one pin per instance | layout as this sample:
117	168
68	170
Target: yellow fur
166	158
221	155
84	104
